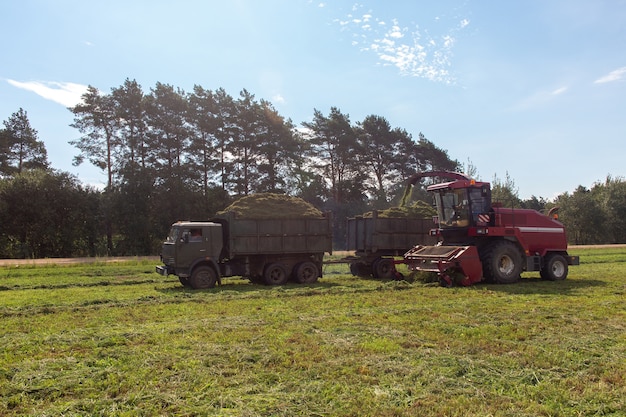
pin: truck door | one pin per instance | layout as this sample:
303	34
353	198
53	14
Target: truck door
191	245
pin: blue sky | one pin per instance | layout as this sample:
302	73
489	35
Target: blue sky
534	88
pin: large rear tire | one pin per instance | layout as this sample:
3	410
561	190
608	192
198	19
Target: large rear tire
502	262
203	277
275	274
554	268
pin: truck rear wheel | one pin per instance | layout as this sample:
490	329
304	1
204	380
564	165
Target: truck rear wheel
203	277
306	273
384	269
275	274
554	268
502	262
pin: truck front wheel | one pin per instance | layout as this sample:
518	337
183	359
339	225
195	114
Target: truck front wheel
554	268
203	277
502	262
275	274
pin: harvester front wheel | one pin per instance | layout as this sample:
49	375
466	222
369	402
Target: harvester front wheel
502	262
554	268
203	277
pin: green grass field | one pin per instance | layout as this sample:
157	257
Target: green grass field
118	339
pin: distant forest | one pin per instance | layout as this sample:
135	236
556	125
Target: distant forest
170	155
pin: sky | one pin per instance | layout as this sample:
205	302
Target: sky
534	90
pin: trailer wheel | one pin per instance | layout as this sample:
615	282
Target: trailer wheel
275	274
306	273
384	269
203	277
502	262
360	269
554	268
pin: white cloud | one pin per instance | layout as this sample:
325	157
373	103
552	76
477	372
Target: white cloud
413	52
67	94
616	75
277	98
559	91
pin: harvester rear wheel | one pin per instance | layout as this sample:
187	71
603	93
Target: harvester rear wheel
554	268
203	277
275	274
502	262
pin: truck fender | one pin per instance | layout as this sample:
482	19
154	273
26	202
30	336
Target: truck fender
207	261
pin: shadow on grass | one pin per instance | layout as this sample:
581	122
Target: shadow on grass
536	285
242	287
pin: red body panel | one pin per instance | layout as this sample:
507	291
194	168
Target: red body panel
535	232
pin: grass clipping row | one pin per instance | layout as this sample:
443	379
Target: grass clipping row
271	206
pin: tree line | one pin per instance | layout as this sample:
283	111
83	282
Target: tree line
168	155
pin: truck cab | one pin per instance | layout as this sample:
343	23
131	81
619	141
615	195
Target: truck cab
187	245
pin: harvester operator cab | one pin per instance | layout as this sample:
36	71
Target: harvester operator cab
461	204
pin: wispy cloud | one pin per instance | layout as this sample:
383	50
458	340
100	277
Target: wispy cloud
277	98
67	94
540	98
413	51
616	75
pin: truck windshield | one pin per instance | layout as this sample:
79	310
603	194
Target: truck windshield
453	208
173	236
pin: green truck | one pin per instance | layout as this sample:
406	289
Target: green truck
267	250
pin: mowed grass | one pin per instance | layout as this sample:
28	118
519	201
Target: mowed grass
118	339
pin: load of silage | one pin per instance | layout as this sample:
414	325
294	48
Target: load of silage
271	206
417	210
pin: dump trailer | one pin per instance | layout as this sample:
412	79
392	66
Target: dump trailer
271	251
377	241
481	240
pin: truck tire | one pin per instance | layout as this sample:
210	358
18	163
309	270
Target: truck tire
203	277
306	273
384	269
360	269
275	274
554	268
502	262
